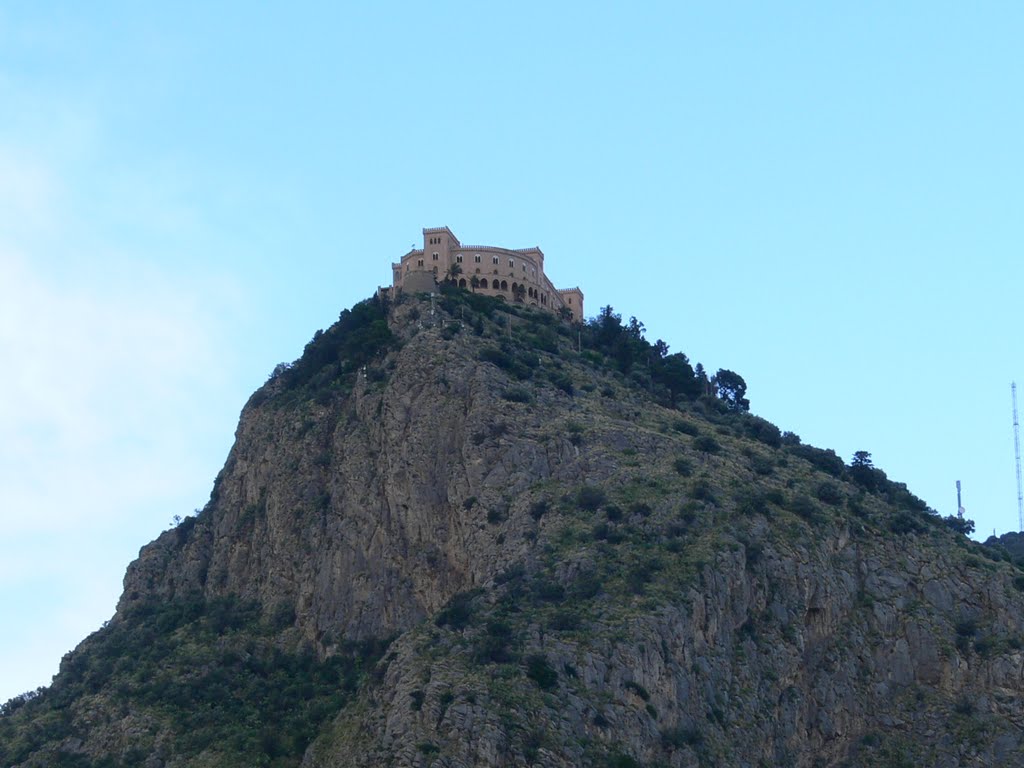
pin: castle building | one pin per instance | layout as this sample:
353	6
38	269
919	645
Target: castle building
512	275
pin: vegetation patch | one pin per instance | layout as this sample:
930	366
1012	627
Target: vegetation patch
589	498
541	672
706	444
212	672
683	466
517	395
539	508
458	614
333	357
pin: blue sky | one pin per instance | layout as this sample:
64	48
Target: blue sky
825	198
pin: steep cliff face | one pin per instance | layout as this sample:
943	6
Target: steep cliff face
366	511
841	651
460	542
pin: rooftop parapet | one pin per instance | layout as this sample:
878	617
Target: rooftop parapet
445	230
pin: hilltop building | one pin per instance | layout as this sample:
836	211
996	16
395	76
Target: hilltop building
512	275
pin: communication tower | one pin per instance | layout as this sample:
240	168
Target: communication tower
1016	449
959	503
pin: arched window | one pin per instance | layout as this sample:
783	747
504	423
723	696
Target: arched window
514	287
462	283
483	282
504	285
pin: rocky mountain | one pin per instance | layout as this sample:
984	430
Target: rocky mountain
459	533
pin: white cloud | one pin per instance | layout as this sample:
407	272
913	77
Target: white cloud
115	407
95	376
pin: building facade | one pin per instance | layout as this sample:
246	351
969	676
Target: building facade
512	275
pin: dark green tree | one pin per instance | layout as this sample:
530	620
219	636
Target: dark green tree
607	326
731	389
861	459
676	375
959	524
702	379
863	471
635	329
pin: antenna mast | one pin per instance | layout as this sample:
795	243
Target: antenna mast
1016	449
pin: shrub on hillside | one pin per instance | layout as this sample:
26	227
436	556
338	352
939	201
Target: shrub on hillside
458	613
762	430
824	459
907	522
541	672
803	506
829	493
683	466
494	646
706	444
589	498
517	395
686	427
360	335
539	508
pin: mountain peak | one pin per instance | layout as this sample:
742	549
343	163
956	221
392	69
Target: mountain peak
466	531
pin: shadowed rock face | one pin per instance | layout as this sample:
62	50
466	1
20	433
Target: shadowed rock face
821	653
568	579
367	513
